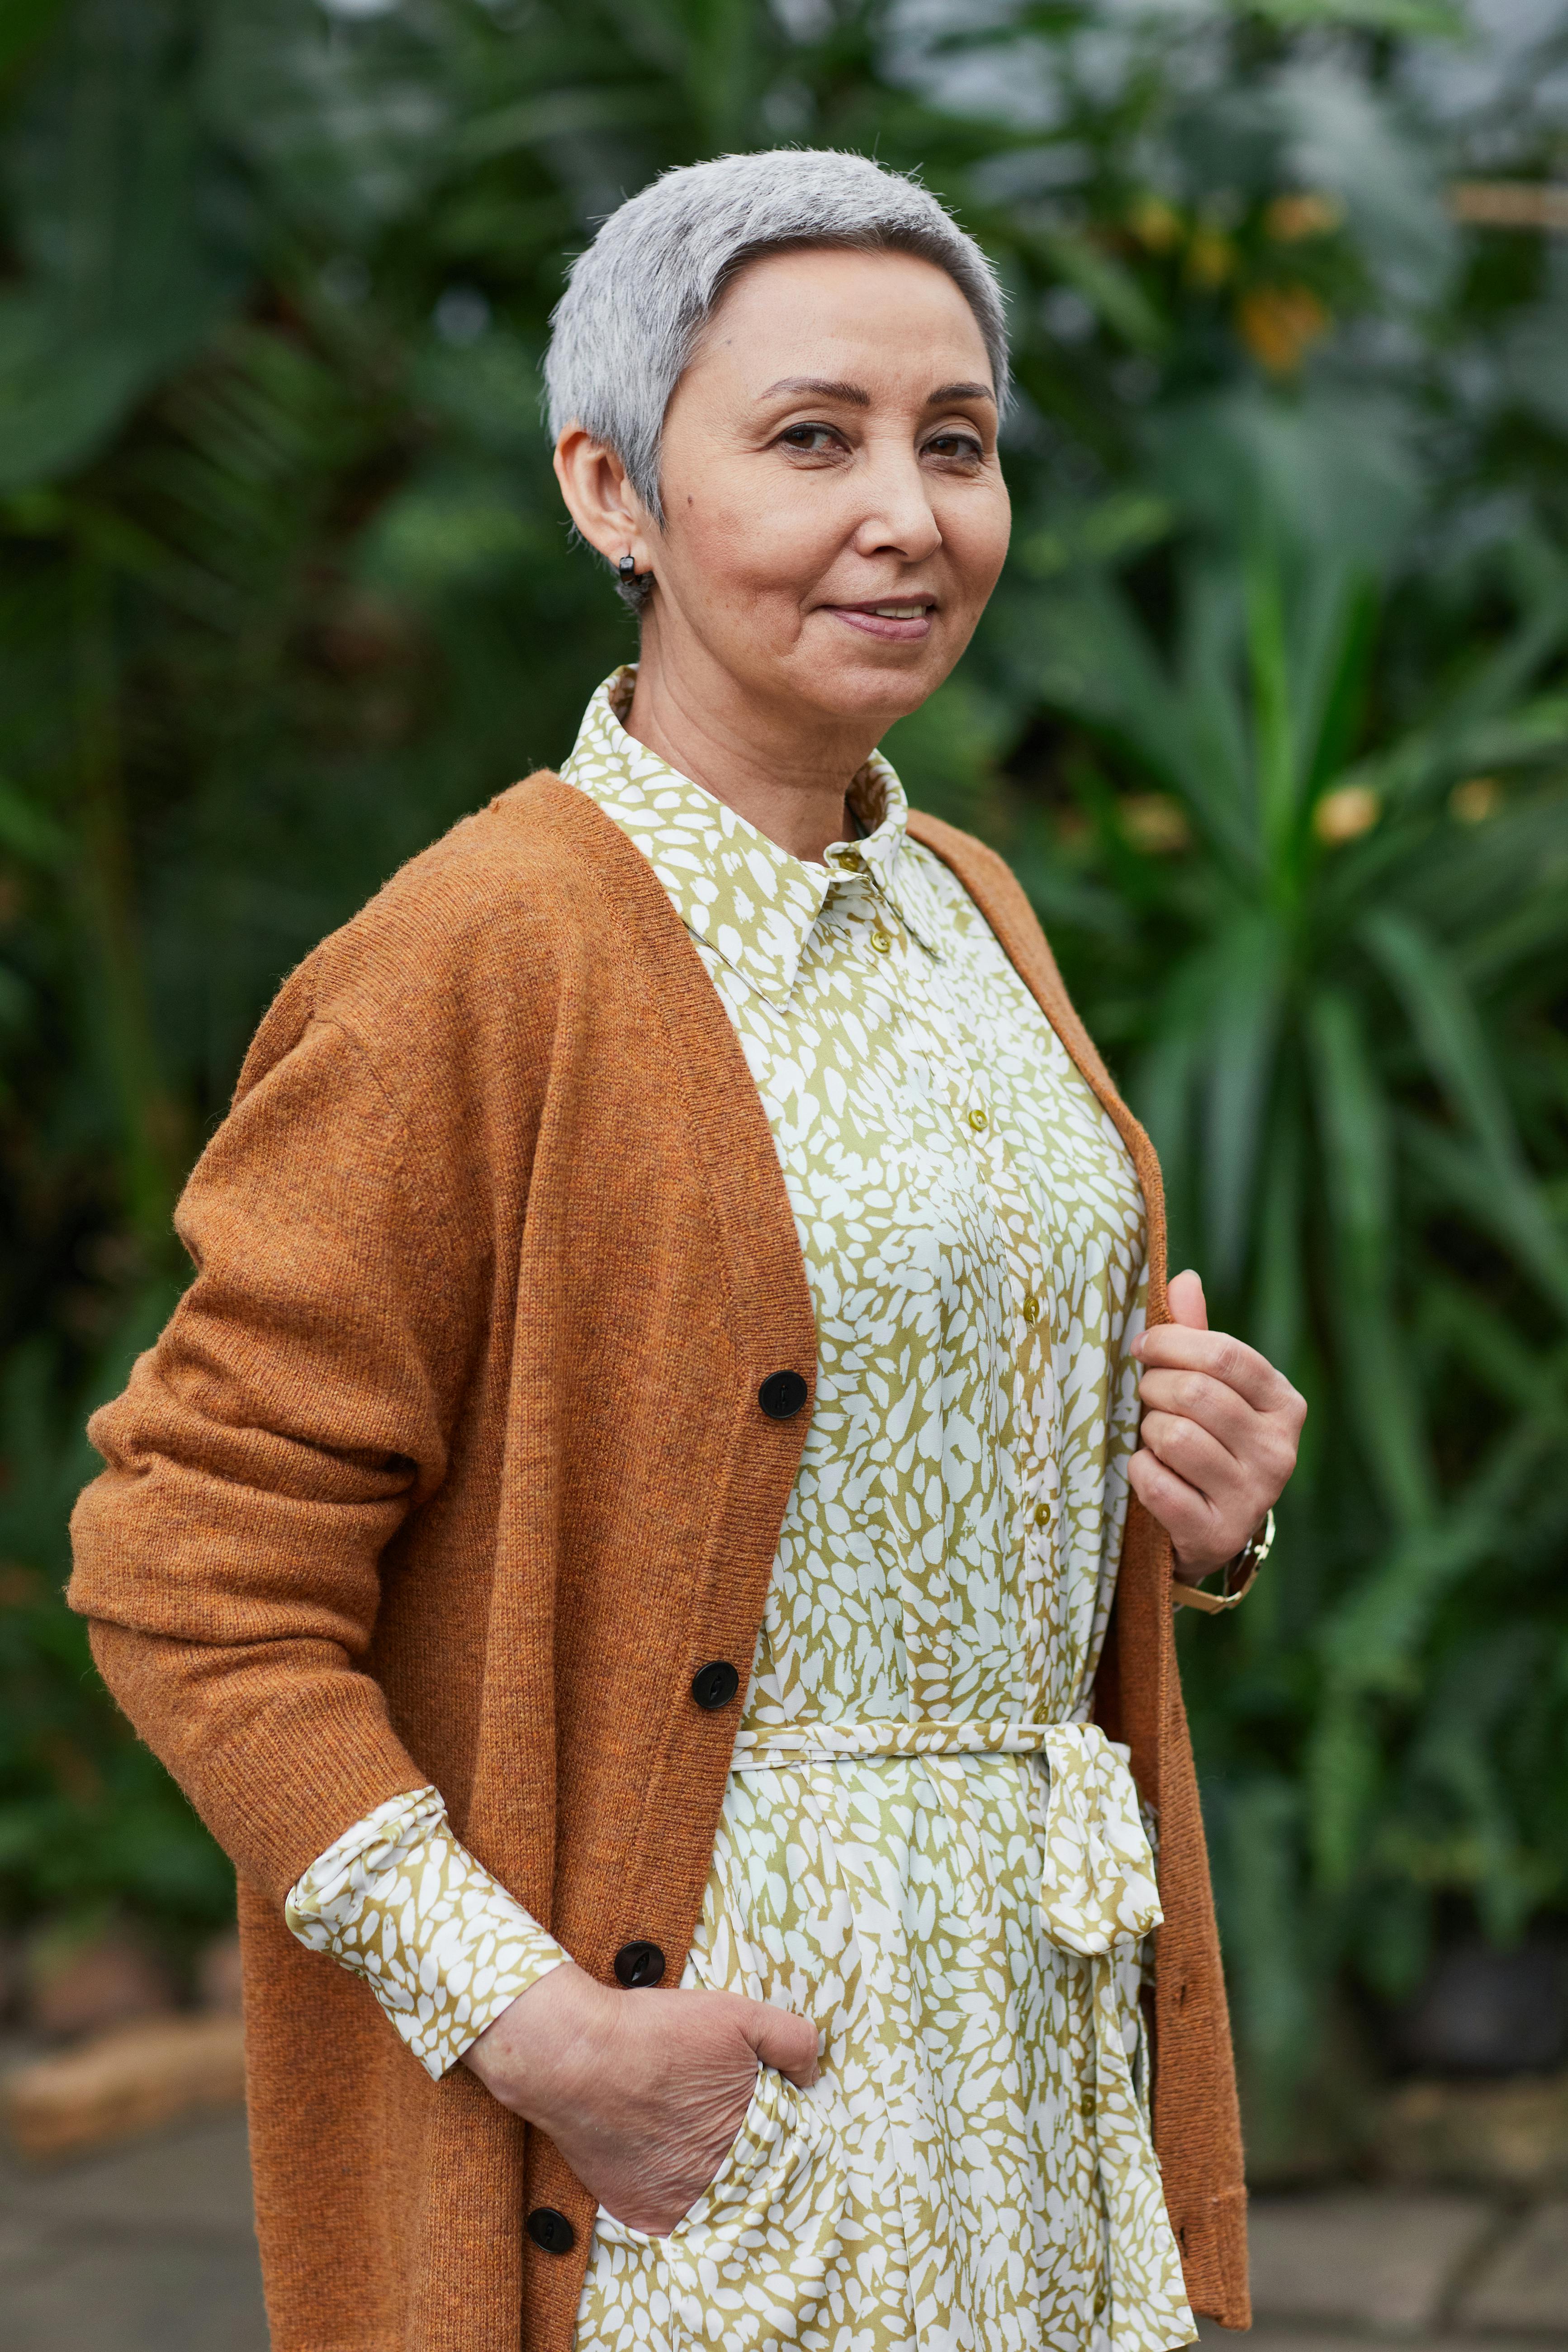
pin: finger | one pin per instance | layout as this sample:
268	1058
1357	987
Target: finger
1184	1297
1213	1406
1186	1516
783	2040
1195	1457
1171	1347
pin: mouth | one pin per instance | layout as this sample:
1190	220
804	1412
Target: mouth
899	620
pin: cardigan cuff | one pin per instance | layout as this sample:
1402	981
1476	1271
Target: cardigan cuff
444	1947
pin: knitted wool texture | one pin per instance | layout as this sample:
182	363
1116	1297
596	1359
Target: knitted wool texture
449	1469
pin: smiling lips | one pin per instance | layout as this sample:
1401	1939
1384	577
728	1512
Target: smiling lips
900	621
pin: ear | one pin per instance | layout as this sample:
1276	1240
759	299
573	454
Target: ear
601	501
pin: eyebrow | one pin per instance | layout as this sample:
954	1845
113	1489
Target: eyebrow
824	388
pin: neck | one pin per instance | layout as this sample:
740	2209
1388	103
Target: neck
785	768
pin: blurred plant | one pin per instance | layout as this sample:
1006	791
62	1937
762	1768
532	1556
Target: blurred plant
88	1820
285	588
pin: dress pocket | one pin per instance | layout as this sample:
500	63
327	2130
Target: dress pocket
749	2265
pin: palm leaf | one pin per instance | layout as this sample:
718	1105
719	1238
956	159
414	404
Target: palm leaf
1354	1126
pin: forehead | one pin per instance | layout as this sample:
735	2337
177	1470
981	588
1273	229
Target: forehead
824	311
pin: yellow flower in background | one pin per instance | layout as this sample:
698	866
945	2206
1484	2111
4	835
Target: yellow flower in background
1279	324
1211	256
1154	223
1346	815
1154	823
1476	799
1306	212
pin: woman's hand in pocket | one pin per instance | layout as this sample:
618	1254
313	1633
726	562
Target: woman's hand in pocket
644	2091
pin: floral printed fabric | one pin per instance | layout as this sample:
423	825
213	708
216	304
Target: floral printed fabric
924	1847
444	1948
791	2244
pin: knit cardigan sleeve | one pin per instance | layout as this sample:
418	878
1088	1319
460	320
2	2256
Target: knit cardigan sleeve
268	1448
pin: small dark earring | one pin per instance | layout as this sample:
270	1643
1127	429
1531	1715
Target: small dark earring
628	567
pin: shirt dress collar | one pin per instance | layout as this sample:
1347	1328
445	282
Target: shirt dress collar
750	902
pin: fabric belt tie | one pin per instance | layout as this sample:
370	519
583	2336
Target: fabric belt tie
1098	1887
1098	1898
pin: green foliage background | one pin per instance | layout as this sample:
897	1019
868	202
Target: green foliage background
1270	711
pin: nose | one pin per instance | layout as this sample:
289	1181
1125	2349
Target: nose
898	518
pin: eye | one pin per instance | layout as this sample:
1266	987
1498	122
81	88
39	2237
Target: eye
811	440
961	446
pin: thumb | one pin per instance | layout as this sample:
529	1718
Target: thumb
1186	1302
783	2040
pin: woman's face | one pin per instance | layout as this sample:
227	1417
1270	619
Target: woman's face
835	515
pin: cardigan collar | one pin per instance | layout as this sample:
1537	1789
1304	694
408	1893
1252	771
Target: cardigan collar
750	902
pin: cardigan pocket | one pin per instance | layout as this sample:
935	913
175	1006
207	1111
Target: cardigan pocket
752	2261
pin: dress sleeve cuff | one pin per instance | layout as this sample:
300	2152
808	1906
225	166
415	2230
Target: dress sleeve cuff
442	1945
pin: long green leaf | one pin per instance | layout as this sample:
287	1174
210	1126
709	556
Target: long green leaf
1446	1025
1248	979
1512	1210
1274	734
1374	1361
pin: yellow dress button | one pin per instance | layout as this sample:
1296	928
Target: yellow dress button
1031	1309
978	1121
881	942
1042	1515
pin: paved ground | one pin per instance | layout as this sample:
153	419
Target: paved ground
150	2250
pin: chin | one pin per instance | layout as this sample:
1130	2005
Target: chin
882	690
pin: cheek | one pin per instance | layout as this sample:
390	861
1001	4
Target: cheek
976	533
748	539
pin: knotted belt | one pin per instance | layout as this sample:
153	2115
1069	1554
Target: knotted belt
1098	1886
1098	1898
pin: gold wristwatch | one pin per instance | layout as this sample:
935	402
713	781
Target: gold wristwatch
1240	1575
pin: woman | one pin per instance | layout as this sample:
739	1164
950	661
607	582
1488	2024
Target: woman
620	1537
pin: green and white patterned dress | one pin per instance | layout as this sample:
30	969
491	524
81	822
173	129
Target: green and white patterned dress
925	1847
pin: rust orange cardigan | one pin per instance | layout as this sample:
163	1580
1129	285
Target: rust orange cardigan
449	1467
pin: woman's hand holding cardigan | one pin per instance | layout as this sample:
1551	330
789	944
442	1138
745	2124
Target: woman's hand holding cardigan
1220	1432
644	2091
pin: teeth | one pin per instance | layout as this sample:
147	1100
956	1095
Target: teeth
899	612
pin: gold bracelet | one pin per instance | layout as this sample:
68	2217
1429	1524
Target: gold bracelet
1240	1575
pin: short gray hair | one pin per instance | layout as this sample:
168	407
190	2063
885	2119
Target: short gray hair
639	297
